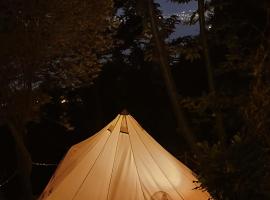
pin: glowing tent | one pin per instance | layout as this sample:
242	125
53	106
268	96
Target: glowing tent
122	162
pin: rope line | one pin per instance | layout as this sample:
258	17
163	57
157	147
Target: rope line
44	164
8	179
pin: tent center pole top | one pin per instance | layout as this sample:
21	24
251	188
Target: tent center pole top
124	112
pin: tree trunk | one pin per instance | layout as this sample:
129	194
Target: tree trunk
24	162
210	77
168	79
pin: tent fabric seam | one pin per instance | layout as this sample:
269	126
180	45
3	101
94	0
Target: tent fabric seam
175	160
136	167
92	165
112	125
178	163
90	169
87	151
108	193
179	193
122	161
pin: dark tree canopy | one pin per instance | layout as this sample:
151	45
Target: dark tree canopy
68	67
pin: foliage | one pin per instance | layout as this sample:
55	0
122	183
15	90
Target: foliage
54	41
103	63
46	44
236	168
239	172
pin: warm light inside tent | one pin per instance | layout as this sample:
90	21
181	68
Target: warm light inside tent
122	161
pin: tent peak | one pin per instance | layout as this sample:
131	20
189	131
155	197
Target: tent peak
124	163
124	112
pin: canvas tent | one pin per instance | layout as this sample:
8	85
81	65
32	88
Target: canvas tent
122	162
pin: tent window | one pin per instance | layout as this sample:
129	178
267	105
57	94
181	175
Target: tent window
124	128
111	128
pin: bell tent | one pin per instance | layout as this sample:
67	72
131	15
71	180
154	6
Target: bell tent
122	162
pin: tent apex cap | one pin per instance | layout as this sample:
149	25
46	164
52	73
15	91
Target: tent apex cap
124	112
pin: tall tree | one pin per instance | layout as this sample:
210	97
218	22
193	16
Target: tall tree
238	40
210	74
148	10
37	39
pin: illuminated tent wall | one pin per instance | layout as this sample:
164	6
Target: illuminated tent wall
121	162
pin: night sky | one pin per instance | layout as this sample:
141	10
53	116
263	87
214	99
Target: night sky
170	8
